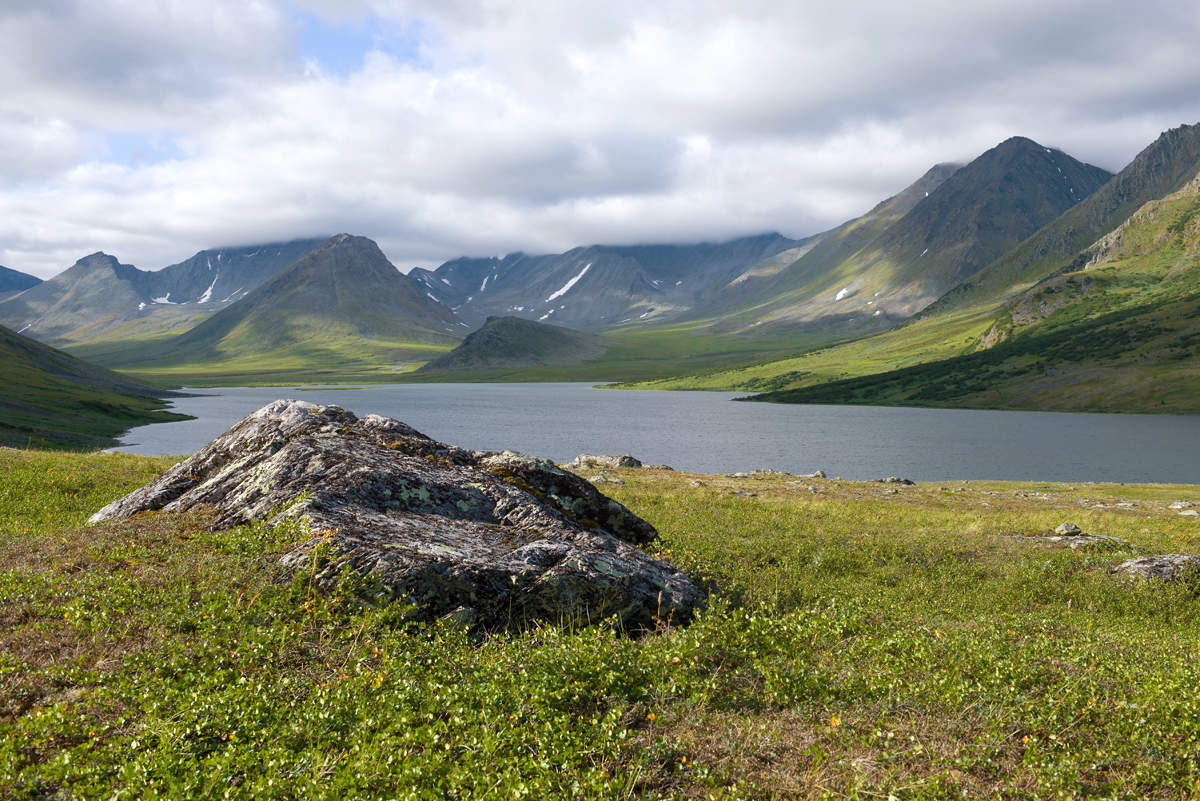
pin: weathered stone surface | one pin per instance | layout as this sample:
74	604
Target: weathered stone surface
895	480
1181	505
600	460
1164	567
1077	542
495	539
1068	530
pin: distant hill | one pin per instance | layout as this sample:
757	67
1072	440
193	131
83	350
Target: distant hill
600	286
508	342
874	272
13	281
51	399
99	298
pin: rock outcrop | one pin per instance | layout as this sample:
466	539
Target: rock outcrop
495	539
584	460
1164	567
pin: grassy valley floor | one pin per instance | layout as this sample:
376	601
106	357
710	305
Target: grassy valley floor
865	640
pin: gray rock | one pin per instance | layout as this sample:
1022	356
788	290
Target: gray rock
1078	542
605	480
493	540
739	474
1068	530
895	480
817	474
1181	505
1189	513
663	467
1164	567
600	460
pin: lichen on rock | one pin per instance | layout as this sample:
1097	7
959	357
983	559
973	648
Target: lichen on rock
496	539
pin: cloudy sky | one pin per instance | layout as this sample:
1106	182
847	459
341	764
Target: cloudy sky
151	129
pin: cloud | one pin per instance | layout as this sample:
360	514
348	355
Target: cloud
153	129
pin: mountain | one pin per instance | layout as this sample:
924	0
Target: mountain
1119	330
1162	167
600	286
52	399
508	342
876	271
12	282
342	302
100	298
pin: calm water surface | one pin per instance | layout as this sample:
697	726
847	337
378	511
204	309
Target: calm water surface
706	432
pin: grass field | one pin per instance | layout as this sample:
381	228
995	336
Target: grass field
863	641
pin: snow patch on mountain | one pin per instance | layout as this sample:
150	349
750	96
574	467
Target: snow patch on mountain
567	286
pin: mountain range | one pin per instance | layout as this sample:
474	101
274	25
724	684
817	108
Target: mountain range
971	262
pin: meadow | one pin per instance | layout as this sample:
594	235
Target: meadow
863	640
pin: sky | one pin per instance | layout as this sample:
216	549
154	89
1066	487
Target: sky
151	129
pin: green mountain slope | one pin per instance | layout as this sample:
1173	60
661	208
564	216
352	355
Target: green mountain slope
53	400
511	342
1120	333
341	308
876	271
955	324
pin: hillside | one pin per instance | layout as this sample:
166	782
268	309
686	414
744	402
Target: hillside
511	342
53	400
341	307
956	324
1120	333
100	300
877	271
13	281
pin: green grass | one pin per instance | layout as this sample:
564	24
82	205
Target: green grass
860	644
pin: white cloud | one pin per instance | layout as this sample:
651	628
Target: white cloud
540	126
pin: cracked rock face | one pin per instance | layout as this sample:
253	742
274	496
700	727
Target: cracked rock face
1163	567
494	539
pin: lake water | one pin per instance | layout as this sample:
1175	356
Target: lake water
707	432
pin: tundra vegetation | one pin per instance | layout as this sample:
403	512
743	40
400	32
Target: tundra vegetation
863	639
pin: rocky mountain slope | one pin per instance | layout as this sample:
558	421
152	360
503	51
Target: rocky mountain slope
601	286
876	271
13	281
100	298
505	342
51	399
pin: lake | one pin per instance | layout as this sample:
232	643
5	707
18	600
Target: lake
708	433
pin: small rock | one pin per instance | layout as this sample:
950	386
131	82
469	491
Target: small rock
894	480
605	480
1181	505
1078	542
696	483
891	492
745	494
1189	513
739	475
1068	530
817	474
601	460
665	467
1165	567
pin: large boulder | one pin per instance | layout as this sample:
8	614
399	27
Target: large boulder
496	539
